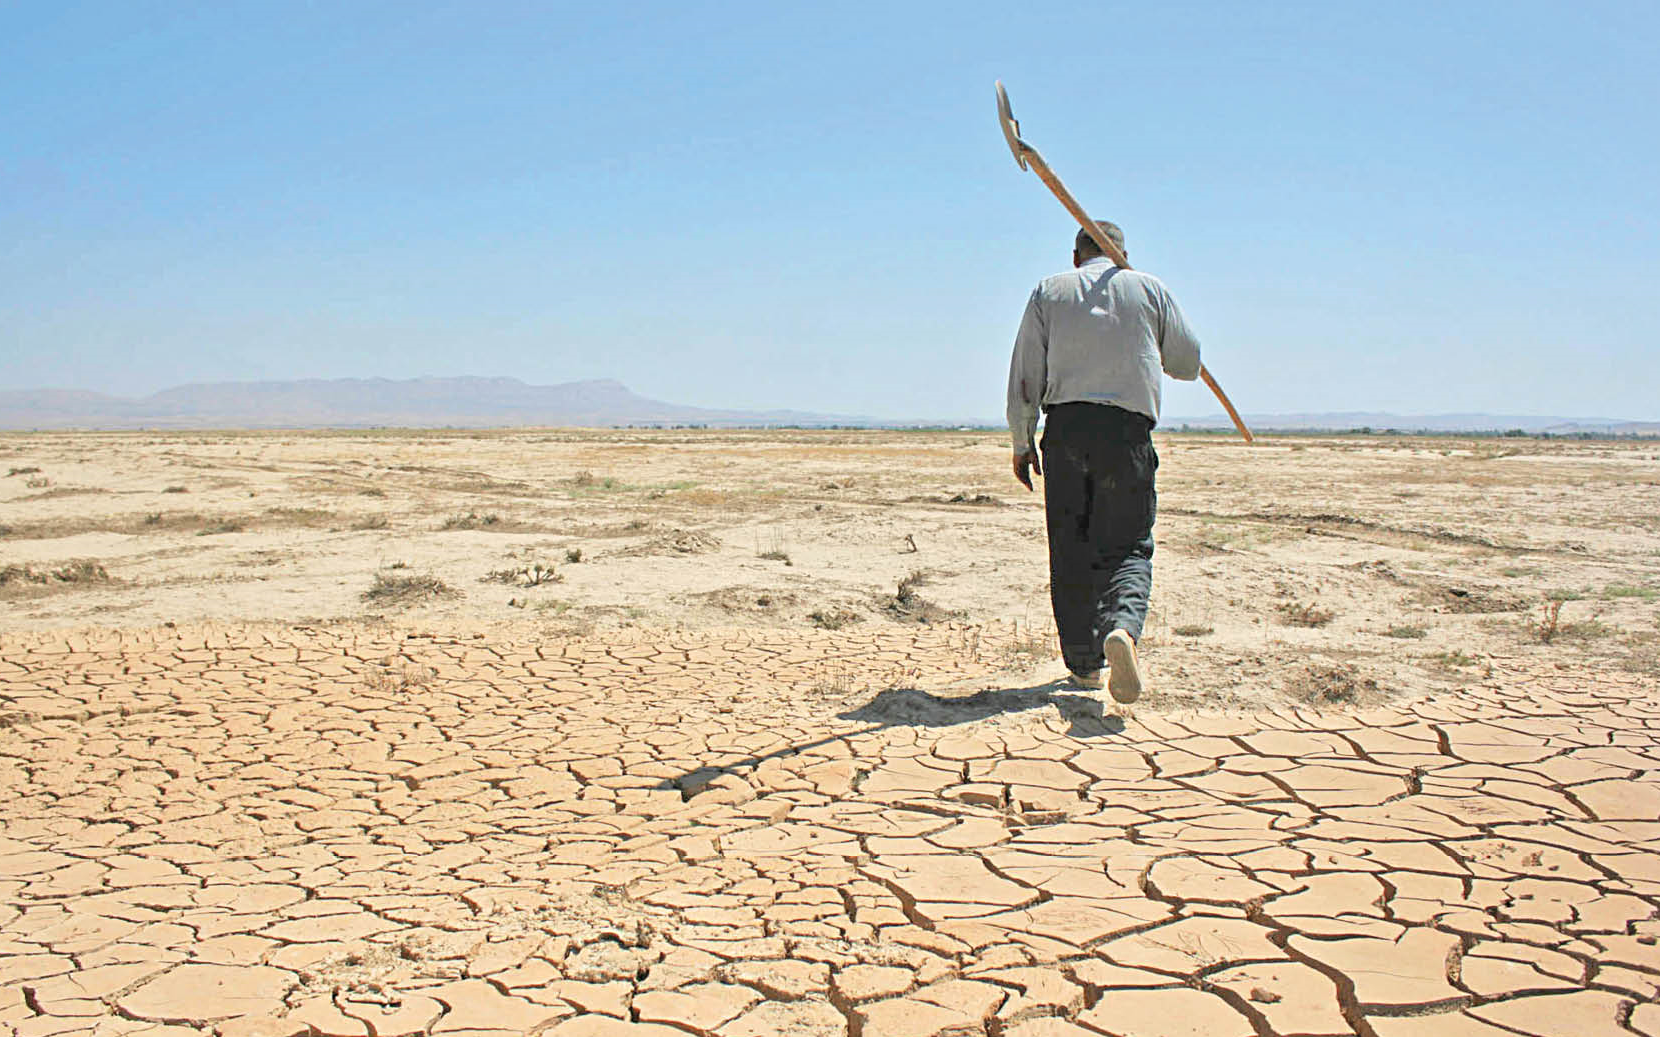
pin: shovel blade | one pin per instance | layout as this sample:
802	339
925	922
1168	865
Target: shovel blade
1011	128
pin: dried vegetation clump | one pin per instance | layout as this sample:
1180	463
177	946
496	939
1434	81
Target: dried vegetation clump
397	675
472	520
1193	630
907	604
1304	614
1332	685
685	542
80	571
401	588
533	575
1464	601
833	618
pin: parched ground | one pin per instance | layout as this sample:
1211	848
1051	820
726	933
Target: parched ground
1398	776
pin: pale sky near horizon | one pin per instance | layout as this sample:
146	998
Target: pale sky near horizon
1411	207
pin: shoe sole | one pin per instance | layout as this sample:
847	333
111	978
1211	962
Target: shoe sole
1125	682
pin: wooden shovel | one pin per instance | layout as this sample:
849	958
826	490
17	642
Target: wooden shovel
1027	157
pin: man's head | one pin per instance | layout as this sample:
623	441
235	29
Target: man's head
1085	249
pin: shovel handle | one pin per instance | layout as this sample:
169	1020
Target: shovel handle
1227	404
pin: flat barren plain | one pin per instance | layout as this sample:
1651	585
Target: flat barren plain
746	733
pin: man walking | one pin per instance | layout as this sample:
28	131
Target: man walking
1089	352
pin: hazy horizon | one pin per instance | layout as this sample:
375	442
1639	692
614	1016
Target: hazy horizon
616	394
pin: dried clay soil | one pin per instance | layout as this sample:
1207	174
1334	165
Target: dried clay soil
668	733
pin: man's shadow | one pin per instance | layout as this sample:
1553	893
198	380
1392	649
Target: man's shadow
912	707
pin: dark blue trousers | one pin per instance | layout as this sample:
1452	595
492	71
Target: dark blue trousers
1099	498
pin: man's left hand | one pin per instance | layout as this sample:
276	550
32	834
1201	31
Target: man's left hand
1024	459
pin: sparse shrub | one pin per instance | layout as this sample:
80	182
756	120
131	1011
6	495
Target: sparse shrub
407	589
775	555
1410	633
533	575
1587	630
39	482
153	519
1304	614
371	522
372	491
1027	645
30	470
1629	590
833	619
573	555
906	592
398	677
1563	594
176	489
1549	624
472	520
906	603
1192	630
1455	659
223	526
586	480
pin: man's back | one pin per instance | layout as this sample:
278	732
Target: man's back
1097	334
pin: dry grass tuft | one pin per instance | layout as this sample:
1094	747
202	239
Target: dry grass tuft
1192	630
399	676
407	589
834	619
472	520
1410	633
1324	685
1304	614
1457	659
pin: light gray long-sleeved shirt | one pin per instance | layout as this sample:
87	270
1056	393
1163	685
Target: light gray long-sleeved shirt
1097	334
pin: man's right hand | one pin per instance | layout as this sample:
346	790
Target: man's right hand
1023	460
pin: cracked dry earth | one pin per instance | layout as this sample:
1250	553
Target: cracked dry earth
276	830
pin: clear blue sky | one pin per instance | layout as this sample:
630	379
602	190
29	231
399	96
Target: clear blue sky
1418	207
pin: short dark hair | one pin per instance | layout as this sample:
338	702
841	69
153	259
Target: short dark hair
1086	245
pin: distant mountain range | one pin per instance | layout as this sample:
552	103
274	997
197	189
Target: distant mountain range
507	402
378	402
